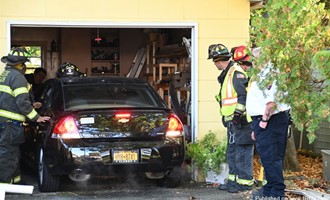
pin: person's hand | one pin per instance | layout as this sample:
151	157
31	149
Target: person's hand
43	119
225	124
37	104
270	108
263	124
236	118
252	136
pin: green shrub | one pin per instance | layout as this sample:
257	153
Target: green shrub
208	153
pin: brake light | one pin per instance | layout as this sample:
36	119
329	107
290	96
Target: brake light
175	127
123	115
66	128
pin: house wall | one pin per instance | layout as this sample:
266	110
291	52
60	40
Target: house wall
219	21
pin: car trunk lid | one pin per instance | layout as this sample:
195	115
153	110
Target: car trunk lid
123	124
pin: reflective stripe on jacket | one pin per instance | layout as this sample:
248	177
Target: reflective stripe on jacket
14	97
228	92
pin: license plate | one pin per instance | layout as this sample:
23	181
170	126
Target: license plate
125	156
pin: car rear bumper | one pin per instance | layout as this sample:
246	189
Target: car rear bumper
99	159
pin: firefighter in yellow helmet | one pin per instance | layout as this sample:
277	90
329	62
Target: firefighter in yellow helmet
15	107
232	97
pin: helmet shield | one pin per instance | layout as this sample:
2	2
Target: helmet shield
67	70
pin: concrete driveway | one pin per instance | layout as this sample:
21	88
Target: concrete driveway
134	187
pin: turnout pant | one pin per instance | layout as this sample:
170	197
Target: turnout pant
11	136
271	144
240	154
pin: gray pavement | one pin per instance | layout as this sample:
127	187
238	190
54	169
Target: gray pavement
131	188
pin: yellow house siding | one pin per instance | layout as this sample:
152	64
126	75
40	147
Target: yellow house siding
23	9
133	9
238	9
3	38
208	89
207	70
227	22
217	9
219	21
159	10
205	127
207	9
101	10
212	115
223	28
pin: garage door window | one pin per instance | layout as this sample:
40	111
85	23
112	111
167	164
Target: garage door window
35	52
35	58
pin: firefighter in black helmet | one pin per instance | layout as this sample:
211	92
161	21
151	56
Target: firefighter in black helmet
68	70
15	107
233	81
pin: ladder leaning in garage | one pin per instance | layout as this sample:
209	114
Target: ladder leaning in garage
138	63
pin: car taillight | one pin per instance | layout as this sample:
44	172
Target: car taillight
175	127
66	128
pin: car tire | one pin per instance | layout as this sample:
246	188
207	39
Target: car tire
46	181
171	180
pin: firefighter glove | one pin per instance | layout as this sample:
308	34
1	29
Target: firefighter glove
225	124
237	118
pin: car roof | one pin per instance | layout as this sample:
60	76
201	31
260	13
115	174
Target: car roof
93	80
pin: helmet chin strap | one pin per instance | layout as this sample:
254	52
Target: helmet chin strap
19	66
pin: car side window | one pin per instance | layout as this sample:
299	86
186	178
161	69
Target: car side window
57	99
46	97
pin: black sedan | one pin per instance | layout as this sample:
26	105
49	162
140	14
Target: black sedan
104	126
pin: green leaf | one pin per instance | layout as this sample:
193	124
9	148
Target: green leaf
208	153
294	37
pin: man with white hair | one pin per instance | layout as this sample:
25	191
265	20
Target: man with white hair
270	121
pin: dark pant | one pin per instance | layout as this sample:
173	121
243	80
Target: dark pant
240	154
271	144
10	138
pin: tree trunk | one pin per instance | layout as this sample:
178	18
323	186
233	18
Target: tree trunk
291	162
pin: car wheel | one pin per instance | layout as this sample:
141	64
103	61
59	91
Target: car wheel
172	179
46	181
78	175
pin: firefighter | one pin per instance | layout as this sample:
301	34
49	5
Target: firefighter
270	121
68	70
241	57
15	107
232	96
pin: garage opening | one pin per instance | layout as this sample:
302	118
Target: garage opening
162	55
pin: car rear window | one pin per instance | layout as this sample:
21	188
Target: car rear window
109	95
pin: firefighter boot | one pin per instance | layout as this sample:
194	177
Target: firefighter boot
232	187
244	187
258	194
223	186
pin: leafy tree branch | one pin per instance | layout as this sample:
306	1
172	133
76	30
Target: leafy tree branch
294	36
